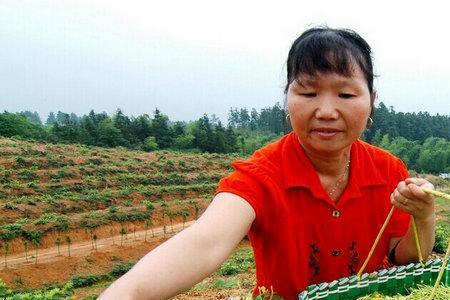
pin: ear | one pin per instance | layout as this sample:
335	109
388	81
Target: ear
373	97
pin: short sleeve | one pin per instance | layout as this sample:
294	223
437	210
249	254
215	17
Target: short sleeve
400	220
245	186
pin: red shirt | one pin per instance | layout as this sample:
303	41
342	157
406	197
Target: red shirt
300	236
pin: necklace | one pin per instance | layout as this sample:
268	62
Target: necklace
339	181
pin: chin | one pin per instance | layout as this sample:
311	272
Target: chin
326	148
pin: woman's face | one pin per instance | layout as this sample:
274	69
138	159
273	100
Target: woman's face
330	111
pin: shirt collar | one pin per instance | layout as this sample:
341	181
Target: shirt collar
299	171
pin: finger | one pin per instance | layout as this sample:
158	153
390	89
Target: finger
400	198
394	201
420	182
397	203
416	190
418	193
404	190
415	180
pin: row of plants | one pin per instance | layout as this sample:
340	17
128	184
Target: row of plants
23	175
95	182
56	199
33	231
63	291
99	179
55	156
240	262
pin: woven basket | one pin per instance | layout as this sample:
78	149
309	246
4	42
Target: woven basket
393	281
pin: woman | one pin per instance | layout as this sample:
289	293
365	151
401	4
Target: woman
312	202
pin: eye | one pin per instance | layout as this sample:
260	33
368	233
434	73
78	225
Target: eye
346	95
308	95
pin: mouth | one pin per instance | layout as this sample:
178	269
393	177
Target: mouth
326	132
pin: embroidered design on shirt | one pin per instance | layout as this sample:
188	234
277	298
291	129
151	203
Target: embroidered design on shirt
353	258
314	265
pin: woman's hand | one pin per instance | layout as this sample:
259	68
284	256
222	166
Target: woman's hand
409	197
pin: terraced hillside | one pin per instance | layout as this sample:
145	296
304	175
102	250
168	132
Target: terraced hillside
84	192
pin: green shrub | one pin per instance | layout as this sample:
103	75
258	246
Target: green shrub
94	161
33	184
240	262
4	290
120	268
120	216
21	162
150	144
25	200
64	173
55	179
61	223
221	283
10	206
5	176
26	174
45	219
230	268
94	196
442	237
82	281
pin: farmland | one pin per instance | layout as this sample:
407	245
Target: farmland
73	217
117	203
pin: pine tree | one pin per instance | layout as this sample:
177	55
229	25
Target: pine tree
51	119
161	130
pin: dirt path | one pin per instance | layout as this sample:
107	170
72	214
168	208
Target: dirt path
81	249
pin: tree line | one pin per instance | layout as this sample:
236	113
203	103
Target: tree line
405	134
431	156
142	132
207	134
411	126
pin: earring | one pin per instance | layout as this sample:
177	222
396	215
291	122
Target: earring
287	118
369	123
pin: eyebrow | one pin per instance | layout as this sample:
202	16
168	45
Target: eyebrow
312	82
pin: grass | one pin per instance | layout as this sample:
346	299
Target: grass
421	293
240	262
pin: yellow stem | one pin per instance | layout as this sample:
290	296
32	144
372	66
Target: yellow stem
416	238
441	272
386	222
436	193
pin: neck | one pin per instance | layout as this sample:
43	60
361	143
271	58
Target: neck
329	164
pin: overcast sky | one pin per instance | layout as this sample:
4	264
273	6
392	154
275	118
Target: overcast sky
193	57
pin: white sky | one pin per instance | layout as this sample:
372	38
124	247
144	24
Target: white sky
193	57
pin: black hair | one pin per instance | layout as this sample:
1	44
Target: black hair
326	50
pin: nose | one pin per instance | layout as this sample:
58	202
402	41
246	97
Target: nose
327	109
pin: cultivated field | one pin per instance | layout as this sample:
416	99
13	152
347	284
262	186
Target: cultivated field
74	218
